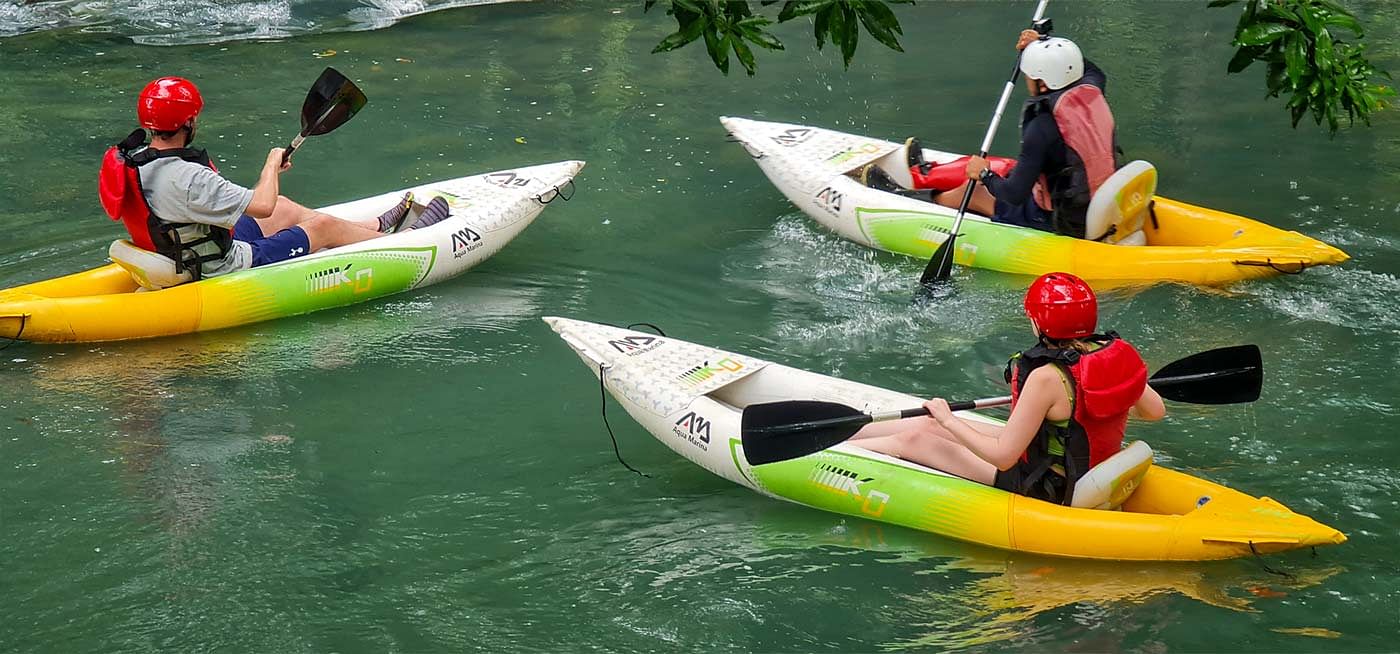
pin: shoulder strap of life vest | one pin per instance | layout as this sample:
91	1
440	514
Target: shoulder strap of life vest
190	245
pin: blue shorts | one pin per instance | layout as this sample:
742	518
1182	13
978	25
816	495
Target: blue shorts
287	244
1026	215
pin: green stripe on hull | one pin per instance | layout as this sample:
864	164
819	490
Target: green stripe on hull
919	233
322	283
869	488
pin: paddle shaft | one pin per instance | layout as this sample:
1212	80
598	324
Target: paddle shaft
963	405
296	142
941	268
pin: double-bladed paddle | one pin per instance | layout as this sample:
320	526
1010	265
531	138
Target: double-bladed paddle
778	431
940	265
330	103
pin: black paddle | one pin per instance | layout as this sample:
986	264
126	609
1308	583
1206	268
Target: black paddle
940	265
330	103
778	431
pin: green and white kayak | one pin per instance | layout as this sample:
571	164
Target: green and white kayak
691	398
105	303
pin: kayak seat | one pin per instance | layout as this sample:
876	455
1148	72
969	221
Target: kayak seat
151	271
1110	483
1122	205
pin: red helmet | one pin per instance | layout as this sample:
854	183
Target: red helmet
1062	306
167	104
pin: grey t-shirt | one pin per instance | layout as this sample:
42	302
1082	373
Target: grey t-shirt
182	191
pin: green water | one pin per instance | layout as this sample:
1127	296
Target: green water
429	472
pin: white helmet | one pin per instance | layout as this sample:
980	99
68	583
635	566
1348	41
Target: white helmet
1055	61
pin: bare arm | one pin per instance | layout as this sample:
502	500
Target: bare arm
1005	447
1149	406
266	192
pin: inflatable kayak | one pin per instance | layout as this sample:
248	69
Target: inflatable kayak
690	397
1169	240
104	304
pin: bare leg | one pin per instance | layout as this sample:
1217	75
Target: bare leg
892	427
324	231
288	213
982	201
926	447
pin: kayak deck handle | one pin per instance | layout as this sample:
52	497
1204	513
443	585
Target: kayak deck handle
558	192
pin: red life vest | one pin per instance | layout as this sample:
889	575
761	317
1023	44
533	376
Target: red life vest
119	188
1106	383
1091	153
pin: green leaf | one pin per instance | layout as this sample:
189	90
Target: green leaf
1323	53
1279	11
1276	80
1261	34
1295	53
880	27
689	5
718	54
689	32
745	56
1244	57
880	12
1312	18
794	8
737	10
752	30
845	29
1345	21
821	25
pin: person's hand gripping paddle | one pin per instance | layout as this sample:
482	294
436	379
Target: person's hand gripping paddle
332	101
940	265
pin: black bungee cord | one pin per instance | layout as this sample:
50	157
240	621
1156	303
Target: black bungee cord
603	402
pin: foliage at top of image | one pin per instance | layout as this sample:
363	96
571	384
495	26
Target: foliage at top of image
732	25
1307	60
1298	40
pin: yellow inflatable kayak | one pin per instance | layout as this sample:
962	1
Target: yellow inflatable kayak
105	303
1143	237
691	398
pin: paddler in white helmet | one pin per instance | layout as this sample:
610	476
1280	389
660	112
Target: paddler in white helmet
1068	146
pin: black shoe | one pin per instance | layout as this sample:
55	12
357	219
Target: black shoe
872	176
436	212
914	153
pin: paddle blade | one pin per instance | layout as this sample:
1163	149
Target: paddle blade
330	103
1228	375
940	265
772	431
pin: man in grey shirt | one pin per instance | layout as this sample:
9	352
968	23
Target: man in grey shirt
266	227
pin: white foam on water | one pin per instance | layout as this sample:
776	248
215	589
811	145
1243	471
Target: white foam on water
841	302
1346	296
183	22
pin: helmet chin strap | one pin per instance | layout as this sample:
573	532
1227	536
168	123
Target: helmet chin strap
189	132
